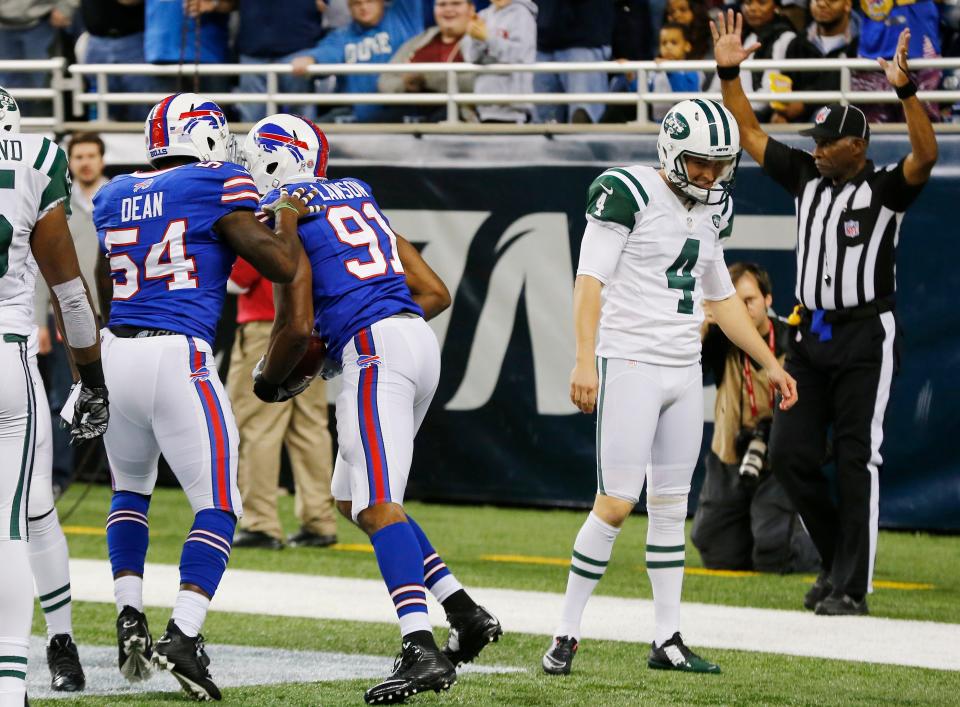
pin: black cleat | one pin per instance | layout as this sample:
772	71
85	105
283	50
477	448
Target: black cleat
256	539
842	605
819	591
416	669
674	655
135	644
66	675
186	659
307	538
470	632
559	659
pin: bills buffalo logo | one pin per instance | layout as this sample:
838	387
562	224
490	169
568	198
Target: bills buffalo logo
207	112
140	186
367	361
201	374
676	126
851	229
822	116
272	137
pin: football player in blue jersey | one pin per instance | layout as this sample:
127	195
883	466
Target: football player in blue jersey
368	292
170	236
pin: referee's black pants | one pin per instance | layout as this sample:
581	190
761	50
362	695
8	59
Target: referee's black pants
843	383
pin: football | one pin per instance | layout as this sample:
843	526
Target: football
310	363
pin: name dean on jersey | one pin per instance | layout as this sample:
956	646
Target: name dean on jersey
142	206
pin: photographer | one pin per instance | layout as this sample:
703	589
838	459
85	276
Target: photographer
744	519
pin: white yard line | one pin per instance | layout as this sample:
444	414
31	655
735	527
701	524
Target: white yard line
872	640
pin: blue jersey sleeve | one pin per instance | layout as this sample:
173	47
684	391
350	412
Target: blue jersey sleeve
329	50
216	189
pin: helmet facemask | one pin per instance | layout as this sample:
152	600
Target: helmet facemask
722	187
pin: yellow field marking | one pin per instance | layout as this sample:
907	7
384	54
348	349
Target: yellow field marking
528	560
890	584
83	530
351	547
703	572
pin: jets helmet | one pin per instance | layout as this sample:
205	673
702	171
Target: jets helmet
9	113
699	128
282	148
187	125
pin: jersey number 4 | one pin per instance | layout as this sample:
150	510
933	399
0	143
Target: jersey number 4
166	260
680	274
357	230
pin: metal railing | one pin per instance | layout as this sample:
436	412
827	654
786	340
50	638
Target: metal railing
81	77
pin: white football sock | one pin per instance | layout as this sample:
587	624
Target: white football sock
16	616
665	559
128	591
190	611
51	572
591	553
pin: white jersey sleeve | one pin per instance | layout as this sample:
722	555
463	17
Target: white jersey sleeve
33	181
717	284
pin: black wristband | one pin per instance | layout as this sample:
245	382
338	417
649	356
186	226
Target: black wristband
906	91
728	73
91	374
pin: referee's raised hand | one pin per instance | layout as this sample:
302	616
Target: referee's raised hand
897	71
728	45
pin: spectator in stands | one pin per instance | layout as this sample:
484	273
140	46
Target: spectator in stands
504	33
879	31
674	46
27	31
372	37
266	36
299	424
573	30
634	37
115	36
336	14
695	16
831	35
764	25
438	44
85	160
170	37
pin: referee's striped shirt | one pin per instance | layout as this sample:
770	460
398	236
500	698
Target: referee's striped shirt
846	234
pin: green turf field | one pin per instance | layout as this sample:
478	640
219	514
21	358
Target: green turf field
606	672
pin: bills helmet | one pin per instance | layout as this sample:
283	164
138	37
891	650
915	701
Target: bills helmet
705	129
9	113
283	148
186	125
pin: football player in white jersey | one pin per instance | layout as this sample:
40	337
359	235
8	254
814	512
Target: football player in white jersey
34	202
651	255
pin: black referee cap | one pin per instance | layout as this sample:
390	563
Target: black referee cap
836	121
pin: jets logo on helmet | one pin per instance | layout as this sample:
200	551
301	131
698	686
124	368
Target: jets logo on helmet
283	148
9	113
186	124
706	130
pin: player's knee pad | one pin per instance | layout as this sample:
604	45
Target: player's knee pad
667	513
128	531
45	528
207	549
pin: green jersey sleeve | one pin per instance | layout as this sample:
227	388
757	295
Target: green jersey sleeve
58	190
615	197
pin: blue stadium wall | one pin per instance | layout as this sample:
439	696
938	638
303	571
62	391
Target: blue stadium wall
500	218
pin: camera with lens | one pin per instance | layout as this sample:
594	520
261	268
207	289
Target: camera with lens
752	449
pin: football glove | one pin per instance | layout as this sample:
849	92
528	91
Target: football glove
91	413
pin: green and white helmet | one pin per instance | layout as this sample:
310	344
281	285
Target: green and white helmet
700	128
9	113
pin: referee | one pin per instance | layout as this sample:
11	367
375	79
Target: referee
842	353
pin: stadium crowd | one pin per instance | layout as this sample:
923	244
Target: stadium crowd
485	32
